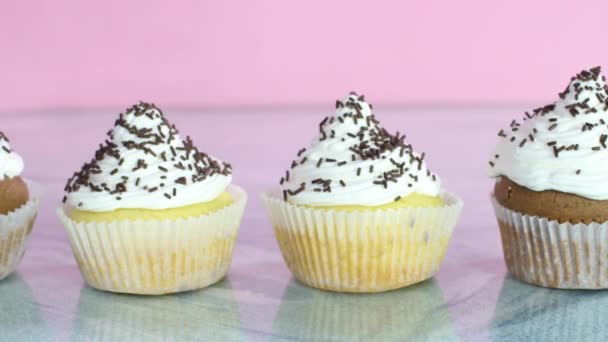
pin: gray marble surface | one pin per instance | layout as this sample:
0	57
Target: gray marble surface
471	298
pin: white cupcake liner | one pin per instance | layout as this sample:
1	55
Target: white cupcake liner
156	256
362	251
552	254
15	230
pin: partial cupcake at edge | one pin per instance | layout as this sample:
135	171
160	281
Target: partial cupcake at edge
18	208
150	213
358	210
551	190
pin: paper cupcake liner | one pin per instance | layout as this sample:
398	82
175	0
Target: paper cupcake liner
362	251
157	256
15	230
553	254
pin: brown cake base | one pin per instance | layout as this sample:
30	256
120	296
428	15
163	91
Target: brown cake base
13	194
554	205
568	254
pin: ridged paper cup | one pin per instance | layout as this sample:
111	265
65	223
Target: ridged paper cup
15	230
552	254
362	251
155	257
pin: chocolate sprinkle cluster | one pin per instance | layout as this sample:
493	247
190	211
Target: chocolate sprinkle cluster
368	141
586	95
4	138
4	144
157	146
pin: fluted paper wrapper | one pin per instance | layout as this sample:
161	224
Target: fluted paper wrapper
157	256
15	230
553	254
362	251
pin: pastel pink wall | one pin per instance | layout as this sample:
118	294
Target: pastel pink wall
57	53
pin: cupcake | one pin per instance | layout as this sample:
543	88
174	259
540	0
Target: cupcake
150	213
551	190
18	208
358	211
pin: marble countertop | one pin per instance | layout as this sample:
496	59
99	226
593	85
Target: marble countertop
472	298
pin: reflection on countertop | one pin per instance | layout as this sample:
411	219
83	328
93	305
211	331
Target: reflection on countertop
20	315
207	315
417	312
525	310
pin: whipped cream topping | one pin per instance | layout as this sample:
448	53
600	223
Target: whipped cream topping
11	164
145	164
562	146
354	161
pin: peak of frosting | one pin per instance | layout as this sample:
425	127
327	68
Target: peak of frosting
562	146
355	161
11	163
145	164
587	89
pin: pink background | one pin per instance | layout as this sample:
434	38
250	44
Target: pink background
76	53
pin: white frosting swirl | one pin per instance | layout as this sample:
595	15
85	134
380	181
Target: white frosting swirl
146	165
562	146
354	161
11	164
